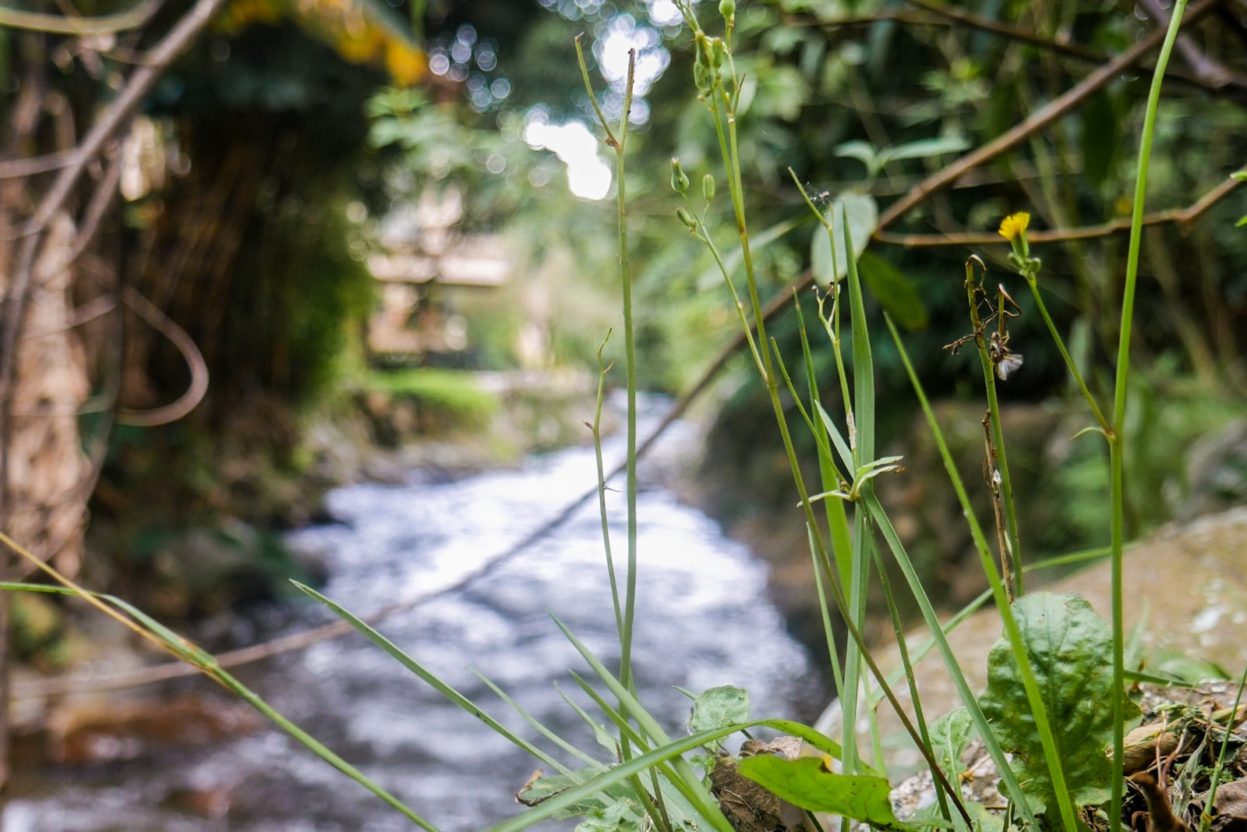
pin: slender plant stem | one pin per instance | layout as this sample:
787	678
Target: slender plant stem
898	630
603	369
625	279
1120	390
1010	543
617	141
1052	753
1105	426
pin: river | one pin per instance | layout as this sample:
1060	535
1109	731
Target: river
703	619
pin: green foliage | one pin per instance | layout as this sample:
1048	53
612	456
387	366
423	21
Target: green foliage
950	734
898	295
718	707
452	397
610	802
1071	652
876	160
809	783
862	215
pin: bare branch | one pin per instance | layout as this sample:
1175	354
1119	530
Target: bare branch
100	202
1179	216
21	168
191	354
995	27
65	25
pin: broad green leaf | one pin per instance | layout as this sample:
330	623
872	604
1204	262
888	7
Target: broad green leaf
924	148
863	218
718	707
808	784
1071	651
897	294
861	151
950	734
781	92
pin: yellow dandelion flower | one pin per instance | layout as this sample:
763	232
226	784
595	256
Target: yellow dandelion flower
1014	225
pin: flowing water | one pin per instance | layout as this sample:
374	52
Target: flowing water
702	620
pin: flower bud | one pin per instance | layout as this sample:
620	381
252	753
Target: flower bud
707	187
686	218
679	179
716	50
727	8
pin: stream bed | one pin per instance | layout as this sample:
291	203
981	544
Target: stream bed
703	619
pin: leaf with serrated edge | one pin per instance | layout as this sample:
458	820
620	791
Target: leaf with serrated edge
1071	651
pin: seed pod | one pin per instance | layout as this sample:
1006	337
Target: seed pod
701	77
686	218
679	179
707	187
717	49
727	8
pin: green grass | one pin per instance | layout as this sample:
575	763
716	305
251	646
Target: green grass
452	395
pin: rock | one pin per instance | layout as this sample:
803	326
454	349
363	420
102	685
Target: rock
1186	585
212	803
105	730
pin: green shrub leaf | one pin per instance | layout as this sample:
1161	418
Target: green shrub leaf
808	784
950	734
717	707
1071	651
863	216
897	294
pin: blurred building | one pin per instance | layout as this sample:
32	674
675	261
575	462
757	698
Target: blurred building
427	269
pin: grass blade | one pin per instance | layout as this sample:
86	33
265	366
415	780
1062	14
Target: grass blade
431	679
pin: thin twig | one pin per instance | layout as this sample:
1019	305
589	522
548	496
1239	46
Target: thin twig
34	165
1183	217
66	25
191	354
100	202
1004	30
